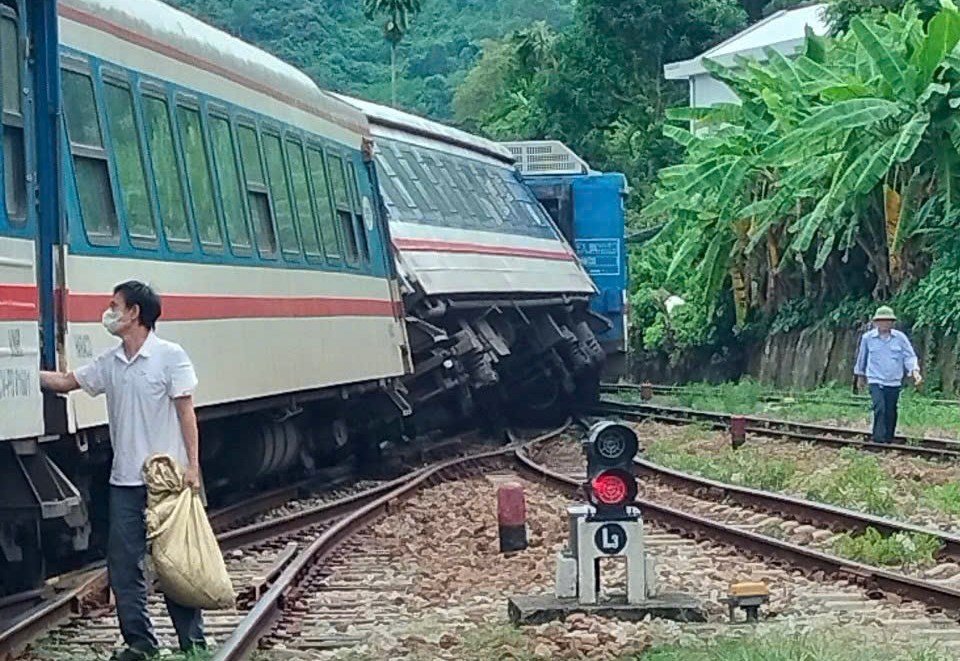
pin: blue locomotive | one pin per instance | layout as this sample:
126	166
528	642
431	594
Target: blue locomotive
589	208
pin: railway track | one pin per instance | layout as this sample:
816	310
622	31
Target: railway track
651	389
297	546
927	448
306	574
566	474
258	542
26	616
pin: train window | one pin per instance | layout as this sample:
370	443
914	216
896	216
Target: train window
257	195
14	156
128	156
231	188
327	224
467	213
426	201
89	159
198	176
83	124
487	215
358	212
441	199
280	193
301	195
338	181
163	156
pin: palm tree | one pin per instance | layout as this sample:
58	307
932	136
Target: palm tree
398	14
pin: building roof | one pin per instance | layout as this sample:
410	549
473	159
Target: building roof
783	31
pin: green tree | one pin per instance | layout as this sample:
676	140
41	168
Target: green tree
598	84
842	12
337	46
397	13
852	148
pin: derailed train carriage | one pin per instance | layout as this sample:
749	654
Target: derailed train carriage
497	303
254	202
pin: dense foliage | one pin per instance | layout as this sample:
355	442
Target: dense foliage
836	177
598	84
342	50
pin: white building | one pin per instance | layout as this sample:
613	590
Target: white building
783	31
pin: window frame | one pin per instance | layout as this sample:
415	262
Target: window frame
80	65
21	121
331	153
293	138
149	88
317	147
276	132
242	122
191	102
119	78
356	201
213	113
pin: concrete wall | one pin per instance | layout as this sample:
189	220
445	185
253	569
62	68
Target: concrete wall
802	359
817	356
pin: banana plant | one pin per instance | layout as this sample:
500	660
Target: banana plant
853	143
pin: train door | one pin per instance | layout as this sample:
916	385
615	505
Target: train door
21	403
35	496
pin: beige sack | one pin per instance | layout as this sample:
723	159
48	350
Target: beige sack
184	550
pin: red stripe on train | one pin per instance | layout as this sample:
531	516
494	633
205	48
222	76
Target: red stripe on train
197	307
18	303
435	245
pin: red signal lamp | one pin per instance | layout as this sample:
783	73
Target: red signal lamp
613	488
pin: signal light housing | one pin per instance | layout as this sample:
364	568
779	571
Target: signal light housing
611	486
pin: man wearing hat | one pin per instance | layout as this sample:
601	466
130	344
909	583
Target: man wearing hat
885	356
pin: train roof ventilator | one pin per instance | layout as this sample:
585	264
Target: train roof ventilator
609	525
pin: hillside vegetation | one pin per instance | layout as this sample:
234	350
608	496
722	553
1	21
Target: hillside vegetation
333	42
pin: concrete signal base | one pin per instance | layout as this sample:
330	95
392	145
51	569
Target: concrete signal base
538	609
577	588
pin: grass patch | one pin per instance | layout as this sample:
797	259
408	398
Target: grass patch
918	413
898	550
747	466
813	646
857	481
942	497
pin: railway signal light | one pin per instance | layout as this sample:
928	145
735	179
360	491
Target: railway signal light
611	486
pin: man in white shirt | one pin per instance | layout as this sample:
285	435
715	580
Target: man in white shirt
149	384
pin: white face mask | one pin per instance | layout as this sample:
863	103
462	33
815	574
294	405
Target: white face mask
111	320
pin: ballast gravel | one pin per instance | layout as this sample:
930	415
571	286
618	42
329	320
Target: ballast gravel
428	582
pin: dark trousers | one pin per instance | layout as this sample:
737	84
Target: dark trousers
126	555
885	400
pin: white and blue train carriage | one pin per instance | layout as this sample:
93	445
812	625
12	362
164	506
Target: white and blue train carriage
228	180
497	301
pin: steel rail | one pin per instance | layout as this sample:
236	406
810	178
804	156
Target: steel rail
784	398
50	613
269	609
767	547
93	586
799	509
929	448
